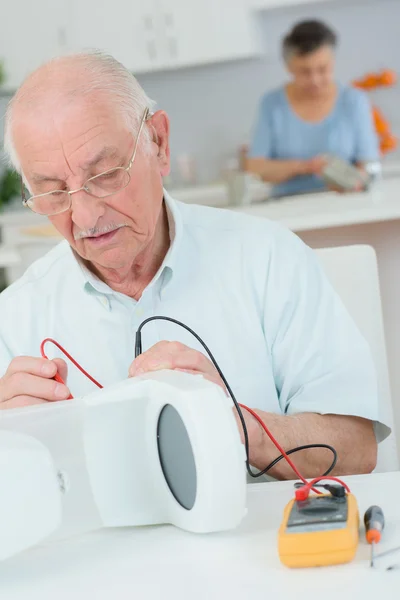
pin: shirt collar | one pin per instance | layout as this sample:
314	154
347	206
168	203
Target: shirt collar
94	285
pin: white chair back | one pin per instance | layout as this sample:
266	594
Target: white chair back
353	272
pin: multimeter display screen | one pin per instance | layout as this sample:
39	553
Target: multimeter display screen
318	513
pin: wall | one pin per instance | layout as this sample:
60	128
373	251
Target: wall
212	107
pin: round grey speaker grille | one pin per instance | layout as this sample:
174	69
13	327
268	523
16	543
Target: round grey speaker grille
176	457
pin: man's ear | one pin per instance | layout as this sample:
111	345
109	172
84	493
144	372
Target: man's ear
159	125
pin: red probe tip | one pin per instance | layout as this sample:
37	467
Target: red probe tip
302	493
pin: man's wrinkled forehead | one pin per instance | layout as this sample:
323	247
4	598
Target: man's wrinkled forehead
67	113
81	126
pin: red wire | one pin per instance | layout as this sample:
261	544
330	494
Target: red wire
74	362
277	444
322	478
252	412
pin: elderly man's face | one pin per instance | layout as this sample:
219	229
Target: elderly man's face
62	148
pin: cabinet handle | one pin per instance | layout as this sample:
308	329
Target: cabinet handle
169	19
148	23
151	49
173	47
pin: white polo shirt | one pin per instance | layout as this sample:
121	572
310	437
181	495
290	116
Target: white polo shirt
253	292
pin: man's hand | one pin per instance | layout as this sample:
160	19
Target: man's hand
178	357
29	381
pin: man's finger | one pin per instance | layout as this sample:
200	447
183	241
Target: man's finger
62	368
20	402
186	359
35	366
25	384
159	356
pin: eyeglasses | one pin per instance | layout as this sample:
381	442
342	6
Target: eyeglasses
100	186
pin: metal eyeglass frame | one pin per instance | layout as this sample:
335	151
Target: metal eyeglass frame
28	201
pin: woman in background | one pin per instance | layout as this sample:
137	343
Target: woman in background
309	117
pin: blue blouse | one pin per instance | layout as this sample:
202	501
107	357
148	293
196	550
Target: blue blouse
348	132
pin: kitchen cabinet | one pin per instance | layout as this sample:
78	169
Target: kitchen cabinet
126	29
31	33
163	34
144	36
193	32
265	4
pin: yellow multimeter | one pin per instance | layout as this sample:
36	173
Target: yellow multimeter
319	531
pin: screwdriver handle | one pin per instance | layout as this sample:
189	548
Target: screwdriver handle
374	522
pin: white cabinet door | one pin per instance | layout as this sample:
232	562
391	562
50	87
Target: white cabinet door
184	32
265	4
124	28
234	29
143	35
31	34
194	32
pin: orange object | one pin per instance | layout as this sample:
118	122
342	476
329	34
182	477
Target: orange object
371	81
382	126
374	522
386	78
373	536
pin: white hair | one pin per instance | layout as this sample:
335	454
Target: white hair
102	73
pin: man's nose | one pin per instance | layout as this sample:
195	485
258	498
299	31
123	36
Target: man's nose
86	210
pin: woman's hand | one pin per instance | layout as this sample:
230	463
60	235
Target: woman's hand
315	166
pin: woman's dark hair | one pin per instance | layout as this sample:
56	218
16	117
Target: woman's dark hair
306	37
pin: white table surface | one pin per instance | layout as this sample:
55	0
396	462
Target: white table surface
329	209
166	563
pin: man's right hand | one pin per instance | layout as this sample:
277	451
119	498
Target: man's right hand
29	381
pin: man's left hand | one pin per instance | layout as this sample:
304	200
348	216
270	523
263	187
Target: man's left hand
178	357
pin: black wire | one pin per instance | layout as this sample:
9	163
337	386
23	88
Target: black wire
138	350
299	449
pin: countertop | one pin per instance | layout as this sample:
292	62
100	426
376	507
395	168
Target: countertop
318	211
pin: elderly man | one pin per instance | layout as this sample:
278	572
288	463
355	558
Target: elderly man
92	157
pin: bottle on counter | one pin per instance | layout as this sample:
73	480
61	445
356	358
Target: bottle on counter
237	179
